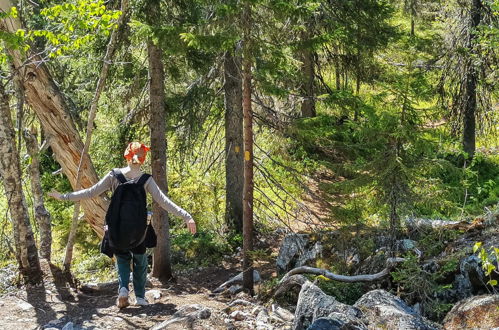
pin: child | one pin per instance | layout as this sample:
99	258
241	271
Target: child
135	154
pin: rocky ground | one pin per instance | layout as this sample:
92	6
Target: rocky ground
210	298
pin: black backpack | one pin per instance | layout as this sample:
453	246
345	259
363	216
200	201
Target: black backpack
126	217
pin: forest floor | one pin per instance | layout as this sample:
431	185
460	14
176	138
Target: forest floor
59	300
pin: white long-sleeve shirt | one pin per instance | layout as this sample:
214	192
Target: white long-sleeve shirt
110	182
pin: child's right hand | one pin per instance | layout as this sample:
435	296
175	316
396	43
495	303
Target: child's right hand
55	194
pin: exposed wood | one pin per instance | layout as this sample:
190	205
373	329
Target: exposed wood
291	283
248	153
42	215
234	161
51	108
390	263
111	47
10	171
415	224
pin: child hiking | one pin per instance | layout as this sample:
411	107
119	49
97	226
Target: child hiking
126	218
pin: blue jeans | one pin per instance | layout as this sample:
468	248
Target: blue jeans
139	271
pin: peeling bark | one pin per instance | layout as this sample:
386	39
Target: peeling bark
49	104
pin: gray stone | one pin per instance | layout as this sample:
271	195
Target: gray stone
25	306
296	250
240	302
239	315
383	310
184	317
282	313
326	323
238	279
313	304
195	311
154	294
68	326
235	289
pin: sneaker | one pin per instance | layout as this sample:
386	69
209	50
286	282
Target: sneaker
122	298
141	302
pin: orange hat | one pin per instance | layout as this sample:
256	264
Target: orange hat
136	150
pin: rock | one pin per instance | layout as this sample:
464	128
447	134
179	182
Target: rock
68	326
470	281
195	311
313	304
25	306
240	302
262	319
326	323
475	312
239	315
282	313
184	317
154	294
235	289
238	279
383	310
296	250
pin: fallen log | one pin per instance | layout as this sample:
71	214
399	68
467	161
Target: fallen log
390	263
417	224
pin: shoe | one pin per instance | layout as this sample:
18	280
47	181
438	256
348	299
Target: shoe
141	302
122	298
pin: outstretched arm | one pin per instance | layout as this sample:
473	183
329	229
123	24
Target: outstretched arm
97	189
159	197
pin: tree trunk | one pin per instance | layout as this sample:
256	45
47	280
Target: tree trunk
42	216
248	154
307	75
51	108
10	170
161	259
234	162
111	47
469	119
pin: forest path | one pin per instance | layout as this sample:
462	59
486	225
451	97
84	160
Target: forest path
56	303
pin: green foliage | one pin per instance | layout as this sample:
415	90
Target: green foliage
422	286
347	293
490	261
202	249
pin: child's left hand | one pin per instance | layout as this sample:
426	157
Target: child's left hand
191	225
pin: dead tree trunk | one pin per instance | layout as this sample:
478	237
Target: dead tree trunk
42	216
161	260
10	171
111	47
234	163
50	106
248	154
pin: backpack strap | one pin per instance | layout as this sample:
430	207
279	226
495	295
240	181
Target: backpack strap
118	175
143	179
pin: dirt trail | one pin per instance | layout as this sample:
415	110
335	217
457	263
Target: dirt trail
57	302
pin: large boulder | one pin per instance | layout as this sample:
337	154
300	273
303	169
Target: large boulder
314	304
383	310
479	312
296	250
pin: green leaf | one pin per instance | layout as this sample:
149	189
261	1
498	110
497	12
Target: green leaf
477	246
492	282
